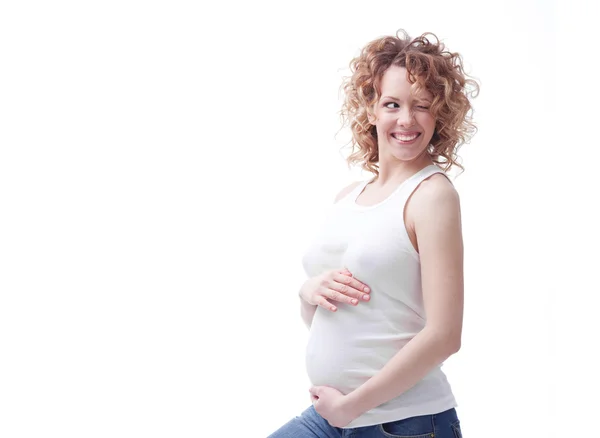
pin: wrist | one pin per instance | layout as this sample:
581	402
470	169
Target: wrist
351	405
305	302
302	296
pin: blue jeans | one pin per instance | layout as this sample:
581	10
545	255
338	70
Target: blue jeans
311	425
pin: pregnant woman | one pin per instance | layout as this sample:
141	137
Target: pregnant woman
384	297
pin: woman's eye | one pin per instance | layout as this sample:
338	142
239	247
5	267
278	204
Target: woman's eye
424	108
391	105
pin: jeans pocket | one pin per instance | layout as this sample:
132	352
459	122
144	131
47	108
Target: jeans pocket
456	429
407	428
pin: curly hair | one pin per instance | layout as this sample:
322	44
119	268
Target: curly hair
431	67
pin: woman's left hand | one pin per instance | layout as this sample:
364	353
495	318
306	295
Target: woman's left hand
330	404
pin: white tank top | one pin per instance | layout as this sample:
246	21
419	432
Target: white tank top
347	347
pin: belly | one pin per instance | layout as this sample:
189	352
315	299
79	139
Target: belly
348	347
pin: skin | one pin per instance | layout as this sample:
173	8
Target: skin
335	285
433	221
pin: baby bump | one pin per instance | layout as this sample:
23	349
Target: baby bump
340	354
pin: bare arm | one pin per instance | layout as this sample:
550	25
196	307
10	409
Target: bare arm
437	225
307	311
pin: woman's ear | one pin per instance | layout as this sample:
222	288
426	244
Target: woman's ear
371	118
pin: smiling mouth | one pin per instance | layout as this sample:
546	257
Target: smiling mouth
406	138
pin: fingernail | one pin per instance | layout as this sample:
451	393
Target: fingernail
365	297
367	289
354	301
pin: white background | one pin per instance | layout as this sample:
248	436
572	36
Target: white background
163	166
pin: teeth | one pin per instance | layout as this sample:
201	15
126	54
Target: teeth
404	137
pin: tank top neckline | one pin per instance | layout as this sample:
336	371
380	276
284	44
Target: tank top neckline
360	188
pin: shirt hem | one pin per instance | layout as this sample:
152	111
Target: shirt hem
374	418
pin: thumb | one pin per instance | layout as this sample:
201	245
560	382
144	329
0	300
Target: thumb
314	391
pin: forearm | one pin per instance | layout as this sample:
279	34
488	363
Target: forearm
412	363
307	311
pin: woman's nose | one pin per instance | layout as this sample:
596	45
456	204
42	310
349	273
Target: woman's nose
406	117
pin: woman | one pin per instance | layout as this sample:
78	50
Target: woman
384	298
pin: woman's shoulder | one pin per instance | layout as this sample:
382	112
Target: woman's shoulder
434	194
439	183
346	190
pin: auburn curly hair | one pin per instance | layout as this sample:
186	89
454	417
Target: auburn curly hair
431	67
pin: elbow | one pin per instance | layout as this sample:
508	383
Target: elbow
449	341
450	347
456	346
454	342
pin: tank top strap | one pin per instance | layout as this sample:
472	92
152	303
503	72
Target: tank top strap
401	193
359	188
353	194
413	182
423	174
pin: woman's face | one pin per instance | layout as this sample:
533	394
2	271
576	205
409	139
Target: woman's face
403	121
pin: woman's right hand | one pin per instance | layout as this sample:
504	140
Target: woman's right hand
336	285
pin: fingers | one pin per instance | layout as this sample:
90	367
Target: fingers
322	302
335	296
342	287
351	287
